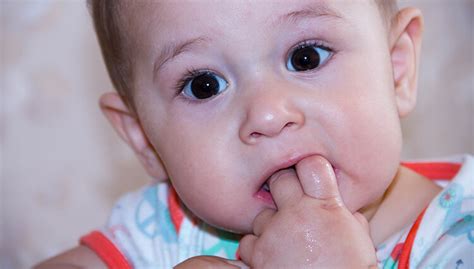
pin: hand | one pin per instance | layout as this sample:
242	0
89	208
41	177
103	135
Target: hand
210	262
311	228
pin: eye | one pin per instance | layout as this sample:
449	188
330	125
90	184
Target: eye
204	85
307	57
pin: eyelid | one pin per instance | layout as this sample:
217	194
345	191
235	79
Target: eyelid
191	74
309	42
188	75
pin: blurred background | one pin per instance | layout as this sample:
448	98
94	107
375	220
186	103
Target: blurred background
61	165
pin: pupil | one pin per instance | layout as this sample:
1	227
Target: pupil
204	86
305	58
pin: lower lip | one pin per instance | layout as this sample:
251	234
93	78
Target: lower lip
265	196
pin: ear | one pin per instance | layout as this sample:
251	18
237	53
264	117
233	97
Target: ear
129	129
405	42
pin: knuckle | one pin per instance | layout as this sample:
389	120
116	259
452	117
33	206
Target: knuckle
260	254
331	203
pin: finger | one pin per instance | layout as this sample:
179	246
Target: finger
239	264
285	188
209	262
246	247
261	221
317	178
362	221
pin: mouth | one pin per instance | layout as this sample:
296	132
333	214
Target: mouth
289	163
264	193
266	186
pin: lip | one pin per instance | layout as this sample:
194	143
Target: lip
288	162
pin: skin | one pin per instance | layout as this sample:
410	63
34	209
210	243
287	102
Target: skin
218	152
268	115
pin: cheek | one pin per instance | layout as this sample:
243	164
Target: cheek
369	161
204	174
193	166
215	200
197	183
368	144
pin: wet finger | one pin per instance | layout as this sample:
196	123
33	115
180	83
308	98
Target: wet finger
317	178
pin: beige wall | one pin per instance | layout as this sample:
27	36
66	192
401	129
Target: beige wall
62	166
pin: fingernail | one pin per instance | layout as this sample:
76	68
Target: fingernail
280	173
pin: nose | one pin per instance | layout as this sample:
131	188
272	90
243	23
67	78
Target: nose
269	114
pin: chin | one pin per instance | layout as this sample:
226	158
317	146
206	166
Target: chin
235	223
236	229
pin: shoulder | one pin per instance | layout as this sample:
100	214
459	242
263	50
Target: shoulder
140	222
147	203
446	234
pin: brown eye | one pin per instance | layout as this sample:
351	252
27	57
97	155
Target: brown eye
307	57
204	86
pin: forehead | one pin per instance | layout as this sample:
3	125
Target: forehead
169	18
159	30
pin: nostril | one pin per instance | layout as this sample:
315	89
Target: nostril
289	124
255	135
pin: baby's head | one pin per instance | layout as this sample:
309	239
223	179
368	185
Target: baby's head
219	95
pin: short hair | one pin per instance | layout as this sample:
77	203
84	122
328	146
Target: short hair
108	20
388	9
107	17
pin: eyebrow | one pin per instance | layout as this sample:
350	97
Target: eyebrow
309	12
172	50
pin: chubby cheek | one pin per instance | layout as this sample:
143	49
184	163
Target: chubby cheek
203	173
368	159
211	203
206	181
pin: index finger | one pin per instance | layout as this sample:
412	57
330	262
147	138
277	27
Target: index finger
317	178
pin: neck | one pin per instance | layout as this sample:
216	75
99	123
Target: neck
406	197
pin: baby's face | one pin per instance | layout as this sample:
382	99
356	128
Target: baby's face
229	92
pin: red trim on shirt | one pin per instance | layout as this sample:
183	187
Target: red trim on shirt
106	250
404	263
176	213
434	170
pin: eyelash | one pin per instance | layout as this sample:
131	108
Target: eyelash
310	42
192	73
187	77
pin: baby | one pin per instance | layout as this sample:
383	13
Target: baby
273	132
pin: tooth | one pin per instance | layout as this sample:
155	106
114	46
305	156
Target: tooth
266	187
